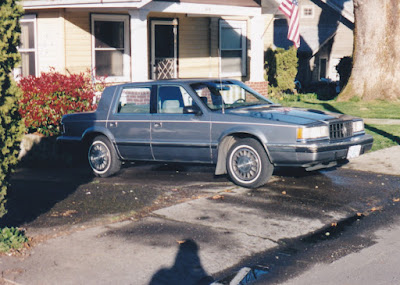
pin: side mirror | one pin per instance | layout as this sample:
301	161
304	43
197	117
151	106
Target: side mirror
192	110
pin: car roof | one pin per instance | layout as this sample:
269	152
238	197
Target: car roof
180	81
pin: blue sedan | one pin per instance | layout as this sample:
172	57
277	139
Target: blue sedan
221	122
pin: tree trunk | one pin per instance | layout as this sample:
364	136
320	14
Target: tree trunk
376	63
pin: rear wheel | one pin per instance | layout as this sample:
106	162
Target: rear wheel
103	158
247	164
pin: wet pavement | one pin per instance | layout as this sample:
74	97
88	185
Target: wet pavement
152	222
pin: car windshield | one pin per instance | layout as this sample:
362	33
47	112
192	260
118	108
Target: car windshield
220	95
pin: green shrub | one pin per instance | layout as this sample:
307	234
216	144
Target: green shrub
12	238
281	69
11	124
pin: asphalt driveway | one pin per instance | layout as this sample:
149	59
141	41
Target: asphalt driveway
165	224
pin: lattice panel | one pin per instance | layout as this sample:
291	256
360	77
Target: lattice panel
165	68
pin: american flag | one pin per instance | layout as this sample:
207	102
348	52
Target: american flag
291	9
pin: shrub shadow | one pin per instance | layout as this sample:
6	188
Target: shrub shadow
44	177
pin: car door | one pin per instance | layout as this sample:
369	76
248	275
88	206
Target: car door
178	134
129	122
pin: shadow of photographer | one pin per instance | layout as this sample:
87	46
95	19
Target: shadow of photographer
187	269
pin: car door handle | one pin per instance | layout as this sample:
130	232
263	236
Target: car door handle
158	125
115	124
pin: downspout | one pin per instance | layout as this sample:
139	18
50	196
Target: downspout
209	48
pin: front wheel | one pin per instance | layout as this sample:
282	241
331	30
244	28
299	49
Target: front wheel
103	158
247	164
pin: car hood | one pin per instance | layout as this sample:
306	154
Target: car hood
288	114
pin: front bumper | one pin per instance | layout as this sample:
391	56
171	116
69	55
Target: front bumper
310	155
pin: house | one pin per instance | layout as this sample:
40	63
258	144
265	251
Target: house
139	40
326	30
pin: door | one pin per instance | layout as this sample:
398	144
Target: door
129	122
176	134
164	51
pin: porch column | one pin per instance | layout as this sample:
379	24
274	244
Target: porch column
257	49
139	45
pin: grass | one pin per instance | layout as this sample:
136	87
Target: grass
373	109
384	135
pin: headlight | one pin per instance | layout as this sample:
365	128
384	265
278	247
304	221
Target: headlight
358	126
312	133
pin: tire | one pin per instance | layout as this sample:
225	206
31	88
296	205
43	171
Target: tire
247	164
103	158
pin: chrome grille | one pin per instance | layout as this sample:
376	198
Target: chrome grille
340	130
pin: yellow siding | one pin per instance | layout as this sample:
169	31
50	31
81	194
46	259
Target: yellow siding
50	41
194	59
194	48
343	44
268	32
78	45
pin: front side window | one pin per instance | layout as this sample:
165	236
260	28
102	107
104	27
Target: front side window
27	48
233	48
227	95
110	46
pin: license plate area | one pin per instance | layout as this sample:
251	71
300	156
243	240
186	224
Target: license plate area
354	151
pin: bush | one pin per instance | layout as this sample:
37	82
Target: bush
11	238
281	69
11	124
48	97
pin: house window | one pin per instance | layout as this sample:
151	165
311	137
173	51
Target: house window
323	63
110	46
27	48
307	12
233	48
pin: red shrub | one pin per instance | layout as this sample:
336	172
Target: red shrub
48	97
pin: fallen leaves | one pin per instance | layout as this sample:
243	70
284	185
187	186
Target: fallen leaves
67	213
217	197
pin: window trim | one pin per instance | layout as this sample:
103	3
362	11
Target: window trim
241	24
304	15
29	18
126	77
326	67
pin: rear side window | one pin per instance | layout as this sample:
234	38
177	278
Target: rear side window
134	101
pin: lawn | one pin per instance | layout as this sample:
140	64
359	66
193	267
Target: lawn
375	109
384	135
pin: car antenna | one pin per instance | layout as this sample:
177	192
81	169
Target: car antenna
220	82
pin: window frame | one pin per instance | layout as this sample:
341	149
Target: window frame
18	70
240	24
303	12
322	58
126	77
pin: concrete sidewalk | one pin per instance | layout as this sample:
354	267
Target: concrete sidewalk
378	264
385	161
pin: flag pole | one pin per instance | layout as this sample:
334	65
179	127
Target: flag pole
270	21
